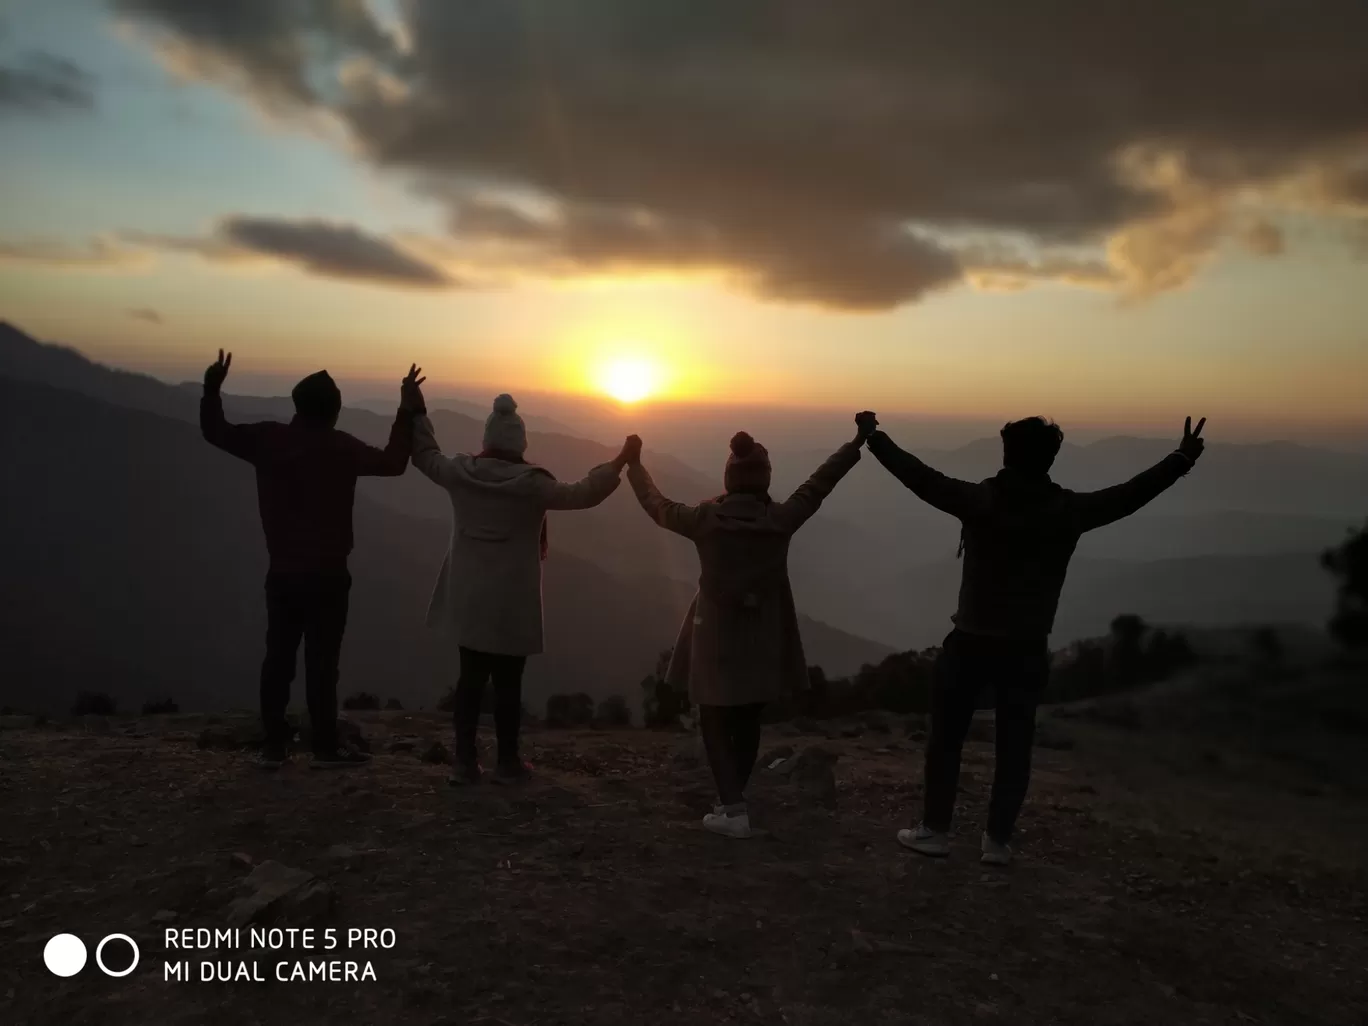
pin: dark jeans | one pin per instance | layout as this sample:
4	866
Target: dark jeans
1017	671
731	737
476	669
311	607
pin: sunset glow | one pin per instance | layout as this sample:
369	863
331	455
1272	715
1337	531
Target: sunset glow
629	380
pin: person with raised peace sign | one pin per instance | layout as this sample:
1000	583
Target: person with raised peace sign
1018	532
306	474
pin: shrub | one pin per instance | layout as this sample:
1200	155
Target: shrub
613	712
393	704
661	704
1266	645
160	707
575	710
360	701
1349	565
92	703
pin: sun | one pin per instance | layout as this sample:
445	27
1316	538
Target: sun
628	380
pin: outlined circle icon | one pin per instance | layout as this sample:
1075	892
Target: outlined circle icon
64	954
99	950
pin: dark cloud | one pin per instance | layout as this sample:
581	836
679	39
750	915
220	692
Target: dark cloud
146	314
333	250
41	82
833	153
323	248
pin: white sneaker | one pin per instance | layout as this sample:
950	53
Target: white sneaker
737	826
995	854
925	842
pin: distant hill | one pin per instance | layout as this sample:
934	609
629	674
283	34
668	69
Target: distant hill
1249	521
133	563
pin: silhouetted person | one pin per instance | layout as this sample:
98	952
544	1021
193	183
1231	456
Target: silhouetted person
489	590
306	481
739	646
1019	530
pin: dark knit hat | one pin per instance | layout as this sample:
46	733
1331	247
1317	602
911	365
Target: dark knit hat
748	466
317	397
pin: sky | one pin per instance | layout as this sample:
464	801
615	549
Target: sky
1118	215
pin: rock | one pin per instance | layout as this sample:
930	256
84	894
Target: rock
775	754
860	944
164	915
402	745
240	860
231	737
851	731
94	724
878	721
807	725
341	851
436	754
273	891
813	770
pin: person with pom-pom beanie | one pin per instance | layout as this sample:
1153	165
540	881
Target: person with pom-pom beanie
739	646
489	590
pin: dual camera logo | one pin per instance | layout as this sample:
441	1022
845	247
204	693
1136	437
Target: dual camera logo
65	954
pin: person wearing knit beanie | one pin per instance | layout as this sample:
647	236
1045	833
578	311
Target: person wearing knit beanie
488	594
504	430
748	466
739	646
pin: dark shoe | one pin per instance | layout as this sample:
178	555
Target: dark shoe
274	755
512	773
466	775
340	758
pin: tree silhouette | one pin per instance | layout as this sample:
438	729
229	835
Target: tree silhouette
1349	564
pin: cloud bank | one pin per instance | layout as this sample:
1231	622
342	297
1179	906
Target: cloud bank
850	156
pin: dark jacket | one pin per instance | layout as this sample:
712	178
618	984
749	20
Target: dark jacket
306	481
1019	532
739	642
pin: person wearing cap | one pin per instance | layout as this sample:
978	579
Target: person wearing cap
488	594
739	646
306	474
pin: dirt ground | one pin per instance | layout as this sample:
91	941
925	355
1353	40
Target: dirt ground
1154	885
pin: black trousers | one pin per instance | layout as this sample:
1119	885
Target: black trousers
1017	671
476	670
312	608
731	737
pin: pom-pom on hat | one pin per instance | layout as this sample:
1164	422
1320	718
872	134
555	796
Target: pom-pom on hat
748	466
504	429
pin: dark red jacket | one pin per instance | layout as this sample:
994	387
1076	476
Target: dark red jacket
306	481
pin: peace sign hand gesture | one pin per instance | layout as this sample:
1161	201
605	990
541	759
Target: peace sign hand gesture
1193	443
218	370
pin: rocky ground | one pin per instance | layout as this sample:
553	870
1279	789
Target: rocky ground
1156	884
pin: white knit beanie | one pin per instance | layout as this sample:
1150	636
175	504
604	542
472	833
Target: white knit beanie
504	429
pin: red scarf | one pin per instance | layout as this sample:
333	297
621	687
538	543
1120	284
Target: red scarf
513	457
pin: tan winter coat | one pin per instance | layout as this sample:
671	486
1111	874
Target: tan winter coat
739	642
489	590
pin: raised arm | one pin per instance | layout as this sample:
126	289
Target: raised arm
1097	509
671	515
392	460
427	454
958	498
799	507
240	440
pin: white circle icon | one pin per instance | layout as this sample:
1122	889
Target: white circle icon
99	949
64	954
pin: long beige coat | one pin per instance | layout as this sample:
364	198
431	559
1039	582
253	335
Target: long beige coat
489	590
739	642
